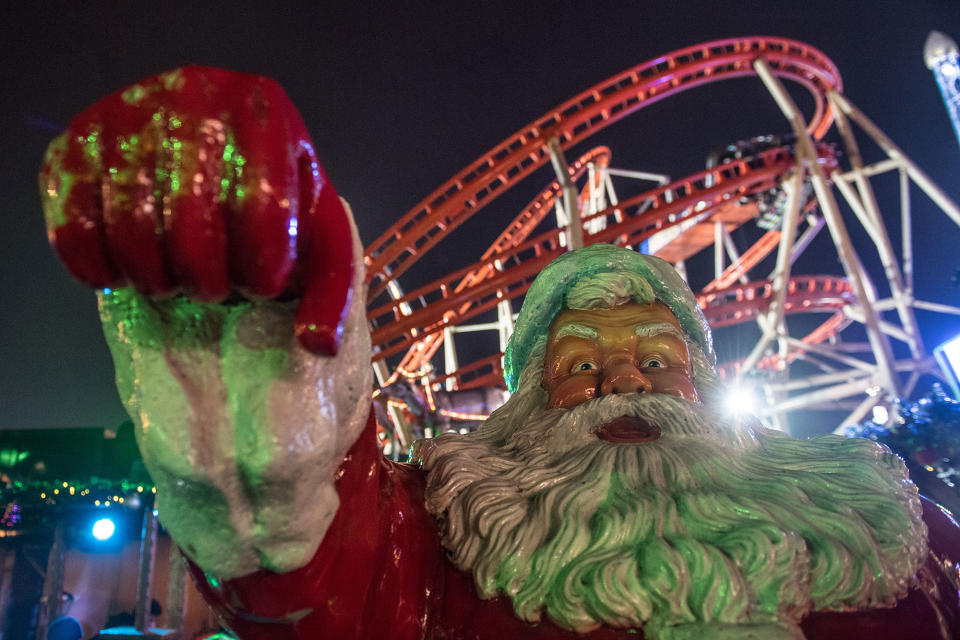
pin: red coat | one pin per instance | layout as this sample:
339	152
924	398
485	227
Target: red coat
382	573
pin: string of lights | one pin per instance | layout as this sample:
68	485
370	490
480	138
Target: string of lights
91	492
30	505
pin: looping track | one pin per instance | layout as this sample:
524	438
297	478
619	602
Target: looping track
804	293
415	321
515	233
456	200
511	270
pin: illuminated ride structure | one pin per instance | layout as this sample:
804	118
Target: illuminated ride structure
942	58
790	183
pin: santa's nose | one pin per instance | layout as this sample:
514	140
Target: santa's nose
623	376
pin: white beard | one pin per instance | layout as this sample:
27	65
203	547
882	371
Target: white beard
709	528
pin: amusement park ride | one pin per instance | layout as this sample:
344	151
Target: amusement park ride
789	182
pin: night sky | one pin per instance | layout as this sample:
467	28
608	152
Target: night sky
398	100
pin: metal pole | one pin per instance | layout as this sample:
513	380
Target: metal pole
922	179
817	362
858	414
6	582
875	169
570	195
732	252
827	352
401	431
935	306
148	547
450	363
504	323
176	594
911	382
717	250
777	320
822	379
479	326
660	178
832	393
828	204
774	322
888	328
879	234
681	268
49	608
906	229
854	201
594	193
777	418
610	192
814	225
781	274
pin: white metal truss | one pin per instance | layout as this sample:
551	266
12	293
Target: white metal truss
855	375
597	195
402	434
867	374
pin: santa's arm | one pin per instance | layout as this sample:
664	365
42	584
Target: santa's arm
232	301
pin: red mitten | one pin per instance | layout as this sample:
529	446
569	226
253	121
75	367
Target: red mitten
203	182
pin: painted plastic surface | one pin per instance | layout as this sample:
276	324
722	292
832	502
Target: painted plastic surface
381	572
204	182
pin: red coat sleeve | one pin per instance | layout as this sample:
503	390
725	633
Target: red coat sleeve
377	573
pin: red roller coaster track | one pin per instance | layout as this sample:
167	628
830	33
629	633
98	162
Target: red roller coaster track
456	200
440	303
515	233
416	320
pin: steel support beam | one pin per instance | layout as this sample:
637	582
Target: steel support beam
916	173
869	210
571	205
841	239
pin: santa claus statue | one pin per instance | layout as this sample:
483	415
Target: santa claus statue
608	498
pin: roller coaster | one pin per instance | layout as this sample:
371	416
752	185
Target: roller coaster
789	182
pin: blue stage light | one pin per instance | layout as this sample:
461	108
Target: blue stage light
103	529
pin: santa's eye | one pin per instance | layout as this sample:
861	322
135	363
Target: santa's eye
652	362
584	365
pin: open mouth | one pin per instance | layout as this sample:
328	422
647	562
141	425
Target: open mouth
628	429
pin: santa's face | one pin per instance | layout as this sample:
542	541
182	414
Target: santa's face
633	348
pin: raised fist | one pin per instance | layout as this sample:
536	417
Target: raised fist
201	182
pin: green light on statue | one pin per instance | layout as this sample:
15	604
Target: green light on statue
11	457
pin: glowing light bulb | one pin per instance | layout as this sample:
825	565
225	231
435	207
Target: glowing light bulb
740	400
881	414
103	529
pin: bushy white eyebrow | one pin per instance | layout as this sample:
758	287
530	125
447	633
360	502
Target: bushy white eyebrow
644	331
577	330
658	329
